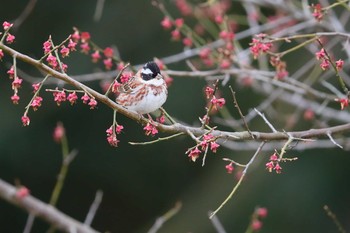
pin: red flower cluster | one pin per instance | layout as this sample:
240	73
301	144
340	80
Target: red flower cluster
112	134
259	45
84	39
61	96
325	62
317	12
150	129
344	102
280	66
229	168
274	164
208	141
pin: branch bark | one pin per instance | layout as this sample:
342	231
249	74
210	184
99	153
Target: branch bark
42	210
176	128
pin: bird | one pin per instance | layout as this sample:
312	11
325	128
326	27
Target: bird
145	92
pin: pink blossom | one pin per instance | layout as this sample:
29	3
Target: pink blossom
72	98
278	168
22	192
1	54
108	63
124	78
204	53
36	103
120	65
52	60
119	128
269	166
92	103
219	19
166	23
179	22
175	34
85	48
161	119
150	129
225	64
75	36
108	52
59	97
85	98
209	92
344	102
95	56
229	168
256	225
11	72
262	212
183	7
64	51
218	102
194	154
214	146
187	41
115	86
15	98
71	45
59	132
339	64
320	54
85	37
274	157
17	82
25	120
47	46
317	13
325	64
36	86
112	140
10	38
6	25
64	67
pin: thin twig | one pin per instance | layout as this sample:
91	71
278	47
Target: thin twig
334	218
29	223
266	121
239	181
42	210
168	215
99	10
93	208
217	224
333	141
240	112
157	140
25	13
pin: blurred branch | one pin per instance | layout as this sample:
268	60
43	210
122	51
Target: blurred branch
42	210
99	10
25	13
93	208
168	215
334	218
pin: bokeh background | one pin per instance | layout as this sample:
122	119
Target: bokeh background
141	183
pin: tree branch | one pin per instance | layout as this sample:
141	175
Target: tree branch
42	210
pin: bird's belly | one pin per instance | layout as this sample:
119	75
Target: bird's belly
149	103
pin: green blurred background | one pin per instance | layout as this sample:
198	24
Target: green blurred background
141	183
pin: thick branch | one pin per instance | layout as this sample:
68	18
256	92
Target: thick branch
175	128
42	210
